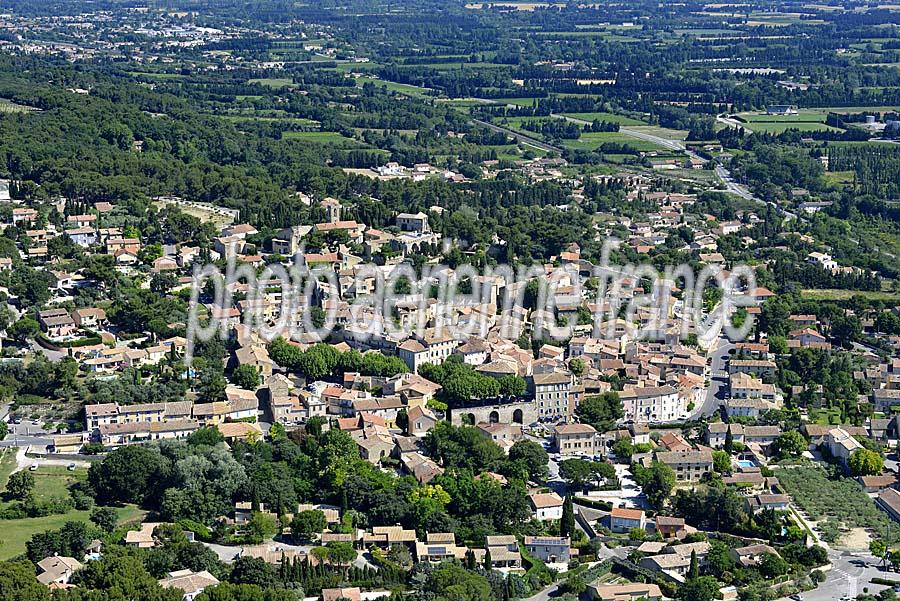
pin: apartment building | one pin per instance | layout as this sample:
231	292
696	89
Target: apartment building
552	395
652	403
689	466
577	439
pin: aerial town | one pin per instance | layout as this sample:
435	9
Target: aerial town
449	301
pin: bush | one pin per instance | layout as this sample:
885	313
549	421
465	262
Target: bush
82	501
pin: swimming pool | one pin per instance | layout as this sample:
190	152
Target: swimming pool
745	463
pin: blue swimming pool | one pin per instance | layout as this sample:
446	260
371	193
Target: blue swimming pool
745	463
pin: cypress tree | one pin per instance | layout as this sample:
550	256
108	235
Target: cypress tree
567	523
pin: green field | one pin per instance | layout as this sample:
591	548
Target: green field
8	106
517	101
802	116
661	132
777	128
322	137
593	140
273	82
842	295
400	88
49	481
610	117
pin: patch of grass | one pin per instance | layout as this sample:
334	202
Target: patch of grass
7	465
839	178
529	101
49	481
825	417
15	533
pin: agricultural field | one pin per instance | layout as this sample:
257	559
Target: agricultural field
8	106
273	82
610	117
823	294
593	140
322	137
840	503
400	88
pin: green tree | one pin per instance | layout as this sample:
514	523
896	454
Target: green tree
306	523
658	484
261	526
106	518
254	571
130	474
226	591
533	456
790	444
20	485
864	462
246	376
601	411
702	588
721	462
18	583
124	573
772	565
729	441
567	523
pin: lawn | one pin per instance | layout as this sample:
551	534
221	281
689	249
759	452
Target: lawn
825	417
49	481
839	178
610	117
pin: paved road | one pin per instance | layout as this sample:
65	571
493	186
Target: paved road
27	434
740	190
521	138
24	462
850	574
718	378
664	142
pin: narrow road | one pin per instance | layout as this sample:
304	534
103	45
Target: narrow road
718	379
